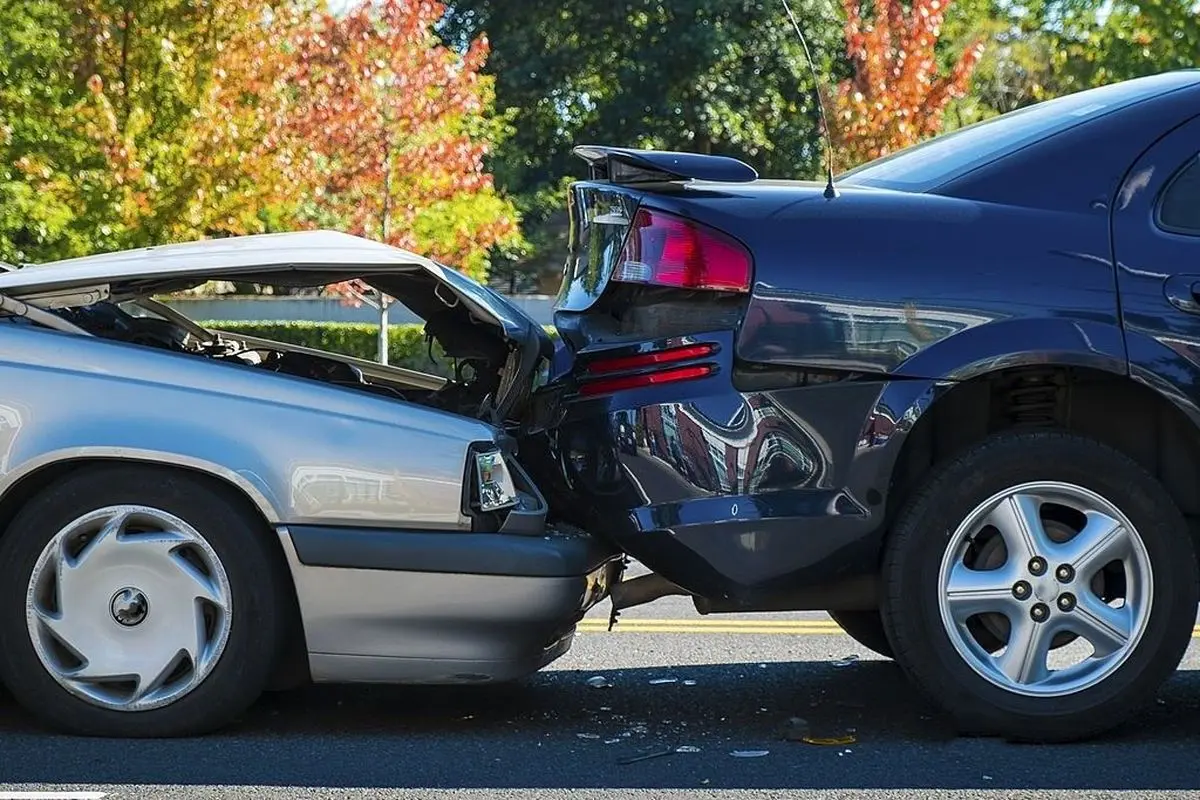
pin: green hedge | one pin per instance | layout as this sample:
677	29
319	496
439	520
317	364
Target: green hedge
406	343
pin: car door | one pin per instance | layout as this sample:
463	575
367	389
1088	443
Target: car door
1156	242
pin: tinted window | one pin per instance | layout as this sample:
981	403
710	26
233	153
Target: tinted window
936	161
1180	210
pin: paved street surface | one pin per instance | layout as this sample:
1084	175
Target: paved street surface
733	684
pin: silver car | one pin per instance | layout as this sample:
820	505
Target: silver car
191	516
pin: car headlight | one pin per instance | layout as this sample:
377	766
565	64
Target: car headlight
494	486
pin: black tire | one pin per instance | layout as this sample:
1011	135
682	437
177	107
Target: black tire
257	580
866	628
912	561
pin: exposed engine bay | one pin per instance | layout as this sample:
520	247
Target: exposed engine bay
479	357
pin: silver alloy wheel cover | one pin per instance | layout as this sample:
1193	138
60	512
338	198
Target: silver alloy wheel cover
187	616
1139	592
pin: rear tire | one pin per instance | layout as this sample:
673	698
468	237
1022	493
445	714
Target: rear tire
866	628
194	584
986	580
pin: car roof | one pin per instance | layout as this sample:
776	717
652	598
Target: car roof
260	256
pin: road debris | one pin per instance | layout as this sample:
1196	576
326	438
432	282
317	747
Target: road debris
670	751
587	735
832	741
599	682
689	683
661	681
845	662
796	729
749	753
687	748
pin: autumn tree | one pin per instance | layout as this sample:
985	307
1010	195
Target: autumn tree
897	94
392	128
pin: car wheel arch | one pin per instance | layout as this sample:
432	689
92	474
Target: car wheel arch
949	417
52	464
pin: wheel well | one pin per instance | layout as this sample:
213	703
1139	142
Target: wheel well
1114	409
293	666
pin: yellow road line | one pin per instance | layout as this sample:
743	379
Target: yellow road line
766	627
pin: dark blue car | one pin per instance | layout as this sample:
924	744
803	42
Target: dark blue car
955	405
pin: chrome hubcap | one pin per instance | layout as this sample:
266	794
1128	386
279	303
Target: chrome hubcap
1045	589
128	608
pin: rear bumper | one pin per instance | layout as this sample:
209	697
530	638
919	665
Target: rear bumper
737	496
441	606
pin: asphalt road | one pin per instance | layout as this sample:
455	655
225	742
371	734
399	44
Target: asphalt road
712	686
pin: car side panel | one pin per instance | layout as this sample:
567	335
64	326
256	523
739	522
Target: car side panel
936	269
305	452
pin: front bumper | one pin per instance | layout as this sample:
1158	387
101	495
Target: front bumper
391	606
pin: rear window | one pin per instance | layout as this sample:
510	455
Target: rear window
938	160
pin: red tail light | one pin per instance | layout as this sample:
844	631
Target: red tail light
616	383
665	250
608	365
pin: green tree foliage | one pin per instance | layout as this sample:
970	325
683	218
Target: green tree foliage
1101	42
133	122
720	76
40	158
724	76
1038	49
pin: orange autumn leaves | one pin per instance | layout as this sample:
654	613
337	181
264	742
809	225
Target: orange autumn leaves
897	96
362	121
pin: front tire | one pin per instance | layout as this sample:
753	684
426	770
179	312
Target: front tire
1040	587
138	601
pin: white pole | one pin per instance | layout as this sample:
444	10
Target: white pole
383	328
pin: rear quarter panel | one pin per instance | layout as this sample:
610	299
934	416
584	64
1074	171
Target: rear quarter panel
302	451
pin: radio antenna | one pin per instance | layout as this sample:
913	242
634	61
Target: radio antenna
830	190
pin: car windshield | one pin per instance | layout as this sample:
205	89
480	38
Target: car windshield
934	162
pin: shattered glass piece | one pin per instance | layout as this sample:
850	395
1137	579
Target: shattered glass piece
749	753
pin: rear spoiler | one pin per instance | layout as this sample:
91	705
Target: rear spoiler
626	165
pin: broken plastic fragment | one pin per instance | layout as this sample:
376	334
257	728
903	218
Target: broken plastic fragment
689	683
660	681
599	682
647	756
796	729
749	753
687	748
611	741
830	741
847	661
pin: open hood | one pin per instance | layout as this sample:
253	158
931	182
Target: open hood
306	258
457	310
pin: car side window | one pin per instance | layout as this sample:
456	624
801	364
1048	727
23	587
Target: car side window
1179	211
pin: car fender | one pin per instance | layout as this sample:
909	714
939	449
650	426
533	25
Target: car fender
921	381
